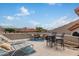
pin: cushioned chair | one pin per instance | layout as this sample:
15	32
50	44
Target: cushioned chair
53	38
50	40
47	40
6	46
60	40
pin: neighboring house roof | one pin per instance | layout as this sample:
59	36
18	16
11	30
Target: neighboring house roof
26	30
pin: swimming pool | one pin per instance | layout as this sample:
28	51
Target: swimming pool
37	39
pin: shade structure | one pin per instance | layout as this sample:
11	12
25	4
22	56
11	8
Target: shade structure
77	11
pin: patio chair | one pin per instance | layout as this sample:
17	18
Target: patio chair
47	40
50	39
60	40
53	39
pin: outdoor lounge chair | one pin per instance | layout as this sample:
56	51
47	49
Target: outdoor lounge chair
4	52
19	50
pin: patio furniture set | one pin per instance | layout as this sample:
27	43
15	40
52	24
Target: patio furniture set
55	40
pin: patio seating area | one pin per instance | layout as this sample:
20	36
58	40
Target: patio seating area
54	40
50	44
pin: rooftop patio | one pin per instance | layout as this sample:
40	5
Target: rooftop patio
43	50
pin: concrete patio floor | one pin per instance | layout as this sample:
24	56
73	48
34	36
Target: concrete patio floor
43	50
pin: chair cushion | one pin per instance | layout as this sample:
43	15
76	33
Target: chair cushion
59	38
6	46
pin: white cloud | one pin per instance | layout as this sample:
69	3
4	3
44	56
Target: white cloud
23	12
47	26
8	17
58	22
34	23
61	21
6	24
53	24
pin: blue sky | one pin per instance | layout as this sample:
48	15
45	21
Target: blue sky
47	15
